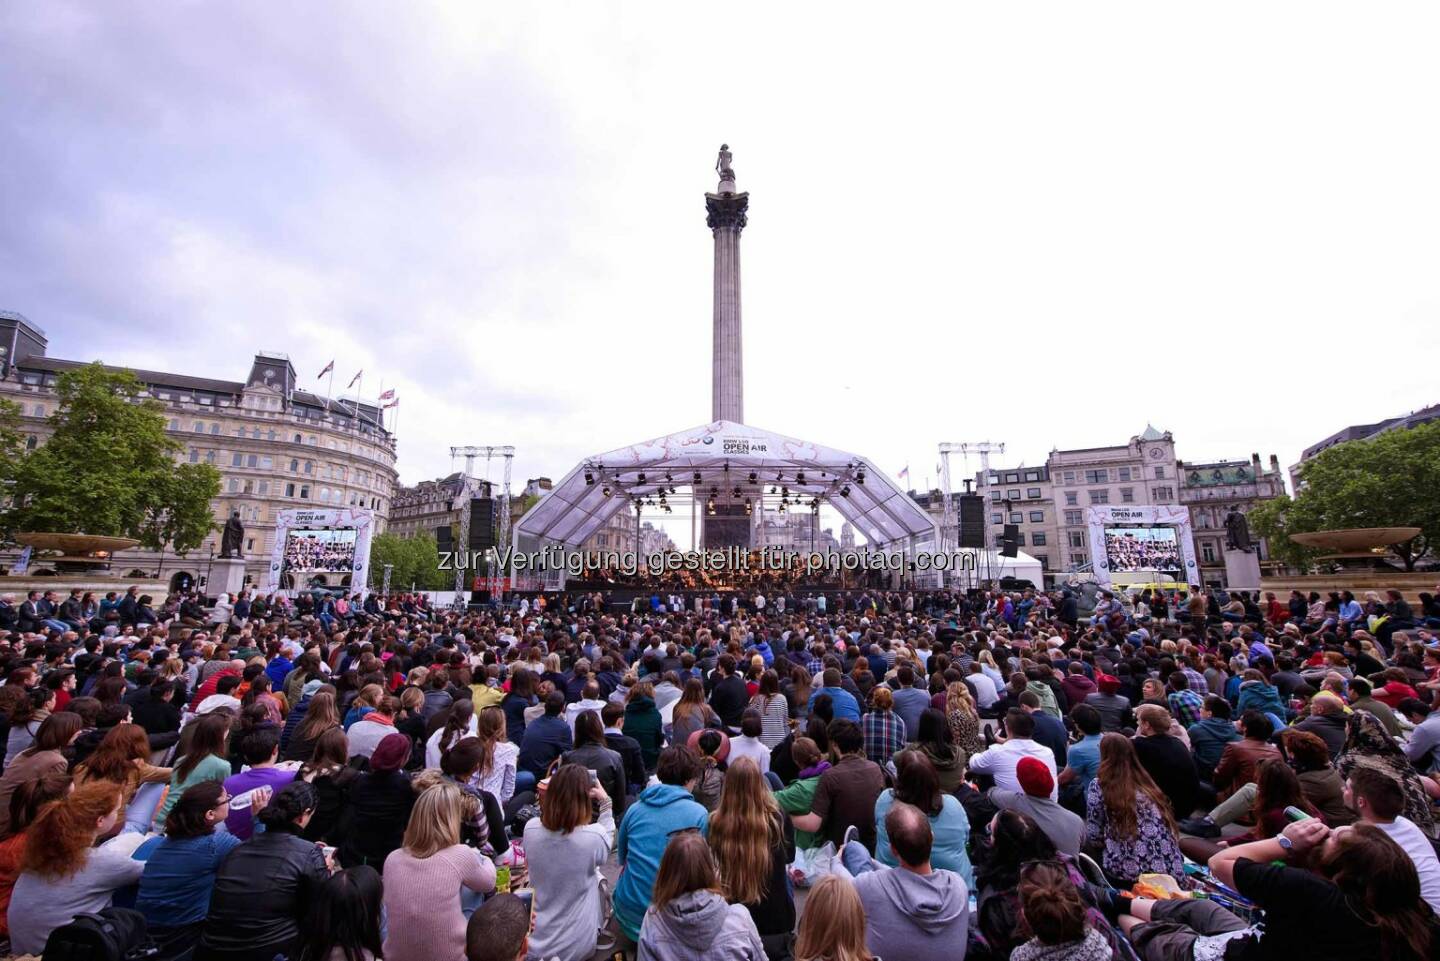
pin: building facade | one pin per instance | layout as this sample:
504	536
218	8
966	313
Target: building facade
431	504
1363	432
1210	491
1022	496
1141	472
275	445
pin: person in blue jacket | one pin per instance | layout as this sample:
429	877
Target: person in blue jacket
660	811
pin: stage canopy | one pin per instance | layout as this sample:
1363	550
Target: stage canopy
724	454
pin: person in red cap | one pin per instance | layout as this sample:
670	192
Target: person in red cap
1065	829
1114	707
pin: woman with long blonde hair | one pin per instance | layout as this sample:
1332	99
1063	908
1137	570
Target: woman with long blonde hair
747	835
426	877
833	925
964	720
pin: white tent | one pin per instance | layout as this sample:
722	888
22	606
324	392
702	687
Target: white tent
724	455
989	565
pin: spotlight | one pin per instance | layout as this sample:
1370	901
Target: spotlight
735	492
800	477
747	508
772	488
710	507
779	476
697	477
605	490
784	492
668	478
860	476
753	477
782	507
845	491
640	479
589	479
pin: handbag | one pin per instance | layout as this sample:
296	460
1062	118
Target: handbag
544	782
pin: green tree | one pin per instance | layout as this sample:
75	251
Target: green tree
1389	481
12	440
1271	521
109	468
414	560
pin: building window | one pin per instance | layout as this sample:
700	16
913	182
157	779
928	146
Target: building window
1069	477
1074	518
215	429
1207	552
1159	472
1077	559
1164	493
234	485
270	435
199	427
1072	498
237	459
294	465
309	467
210	456
1077	539
1012	478
267	463
1037	517
1038	539
264	487
289	490
248	487
194	456
1124	473
1019	539
994	478
997	518
252	460
1016	517
174	424
1032	493
1032	475
1101	496
1044	560
995	496
1101	476
299	439
30	442
1127	495
1012	494
304	492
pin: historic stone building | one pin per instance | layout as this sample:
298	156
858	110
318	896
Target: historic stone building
275	444
1141	472
1210	491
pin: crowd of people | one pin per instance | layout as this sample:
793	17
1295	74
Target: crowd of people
884	775
1124	551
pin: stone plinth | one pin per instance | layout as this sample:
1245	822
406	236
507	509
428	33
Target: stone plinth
1242	570
227	576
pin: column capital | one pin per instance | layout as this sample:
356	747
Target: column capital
726	210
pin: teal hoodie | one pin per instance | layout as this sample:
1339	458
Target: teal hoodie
659	811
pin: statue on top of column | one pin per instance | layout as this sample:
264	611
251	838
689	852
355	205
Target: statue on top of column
722	165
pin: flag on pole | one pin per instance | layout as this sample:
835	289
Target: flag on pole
388	395
328	368
355	378
393	403
904	473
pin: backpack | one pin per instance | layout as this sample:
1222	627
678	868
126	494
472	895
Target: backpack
115	934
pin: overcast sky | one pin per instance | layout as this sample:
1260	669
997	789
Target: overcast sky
1045	225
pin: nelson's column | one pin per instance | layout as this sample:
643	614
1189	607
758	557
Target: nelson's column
725	209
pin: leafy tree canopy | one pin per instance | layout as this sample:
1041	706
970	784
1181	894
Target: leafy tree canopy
110	469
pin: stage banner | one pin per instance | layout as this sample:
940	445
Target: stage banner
324	543
1141	539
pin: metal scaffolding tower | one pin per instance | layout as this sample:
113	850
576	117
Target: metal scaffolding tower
949	527
468	486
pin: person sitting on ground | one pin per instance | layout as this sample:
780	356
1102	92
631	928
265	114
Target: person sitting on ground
62	873
1319	780
565	850
747	834
832	928
1379	800
545	738
1052	910
748	742
499	930
1130	817
427	877
918	784
689	919
847	792
1000	760
1082	760
1049	730
1277	790
660	811
1166	759
180	867
264	886
1361	900
372	823
1209	735
1240	759
1065	829
26	804
914	911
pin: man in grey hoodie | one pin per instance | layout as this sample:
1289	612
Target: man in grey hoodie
914	912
